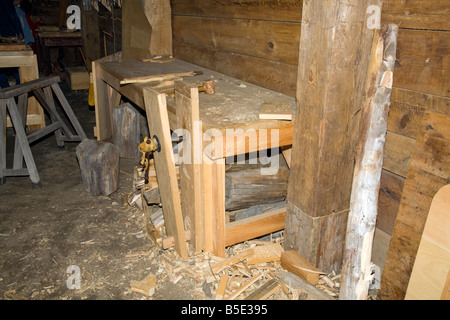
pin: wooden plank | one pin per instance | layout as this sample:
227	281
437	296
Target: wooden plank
190	154
29	73
276	109
423	62
429	171
136	31
417	14
158	121
391	188
397	154
432	263
222	287
295	263
103	111
284	10
295	282
277	76
408	107
265	291
255	226
329	97
237	142
244	286
446	291
270	40
218	266
158	13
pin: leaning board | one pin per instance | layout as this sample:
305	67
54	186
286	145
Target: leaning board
432	265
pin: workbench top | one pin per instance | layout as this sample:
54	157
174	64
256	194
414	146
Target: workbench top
235	104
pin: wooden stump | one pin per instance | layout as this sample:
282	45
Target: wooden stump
126	130
99	165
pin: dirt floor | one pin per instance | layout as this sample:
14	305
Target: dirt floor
43	232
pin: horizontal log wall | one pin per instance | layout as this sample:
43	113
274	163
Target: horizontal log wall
257	41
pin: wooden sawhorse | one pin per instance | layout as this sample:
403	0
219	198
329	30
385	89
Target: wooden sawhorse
43	89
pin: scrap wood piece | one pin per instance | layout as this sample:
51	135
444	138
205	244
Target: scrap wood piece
218	266
295	263
146	286
266	253
244	286
293	281
276	109
222	287
169	241
160	77
265	291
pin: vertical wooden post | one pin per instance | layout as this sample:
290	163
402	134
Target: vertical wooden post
334	55
188	115
158	123
366	181
90	33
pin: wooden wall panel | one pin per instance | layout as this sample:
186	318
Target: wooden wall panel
271	40
417	14
281	10
277	76
423	61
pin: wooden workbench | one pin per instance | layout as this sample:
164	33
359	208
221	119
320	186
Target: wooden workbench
21	56
231	113
49	37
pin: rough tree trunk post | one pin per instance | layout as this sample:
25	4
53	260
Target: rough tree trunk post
366	180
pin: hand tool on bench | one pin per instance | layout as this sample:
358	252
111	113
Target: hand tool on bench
160	77
208	87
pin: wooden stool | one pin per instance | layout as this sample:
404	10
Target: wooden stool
43	89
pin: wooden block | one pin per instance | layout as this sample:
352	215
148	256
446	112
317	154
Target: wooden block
146	286
295	263
295	282
255	226
222	287
265	291
266	253
77	78
232	260
276	109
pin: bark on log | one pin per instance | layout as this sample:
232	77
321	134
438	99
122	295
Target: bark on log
366	181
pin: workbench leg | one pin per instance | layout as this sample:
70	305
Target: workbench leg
22	108
213	175
59	136
2	141
158	123
23	140
26	74
103	111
